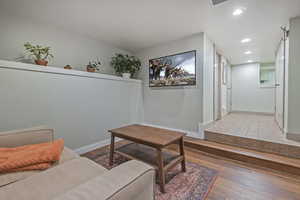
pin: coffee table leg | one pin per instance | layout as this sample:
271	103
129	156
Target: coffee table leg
161	172
112	149
181	144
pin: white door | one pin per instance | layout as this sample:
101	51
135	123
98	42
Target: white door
217	87
228	84
280	73
224	88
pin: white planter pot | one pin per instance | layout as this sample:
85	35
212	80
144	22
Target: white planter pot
126	75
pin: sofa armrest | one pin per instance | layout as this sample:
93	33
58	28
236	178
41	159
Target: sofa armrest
132	180
26	136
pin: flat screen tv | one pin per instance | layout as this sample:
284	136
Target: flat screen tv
173	70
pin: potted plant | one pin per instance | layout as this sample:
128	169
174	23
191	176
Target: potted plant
39	53
125	65
68	67
93	66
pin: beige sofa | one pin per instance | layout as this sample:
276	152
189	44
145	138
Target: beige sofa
74	177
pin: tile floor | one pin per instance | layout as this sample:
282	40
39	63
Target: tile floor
255	126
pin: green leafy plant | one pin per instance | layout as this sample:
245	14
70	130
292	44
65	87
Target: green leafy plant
38	52
94	64
125	64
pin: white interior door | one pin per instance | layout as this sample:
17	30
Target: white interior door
224	93
229	92
217	87
280	73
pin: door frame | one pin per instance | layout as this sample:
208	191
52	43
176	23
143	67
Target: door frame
284	40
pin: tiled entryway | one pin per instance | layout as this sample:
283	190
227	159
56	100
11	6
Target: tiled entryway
255	126
252	131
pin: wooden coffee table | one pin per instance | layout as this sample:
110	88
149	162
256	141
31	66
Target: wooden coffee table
148	144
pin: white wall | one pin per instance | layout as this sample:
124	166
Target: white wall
178	107
80	109
247	95
68	47
294	79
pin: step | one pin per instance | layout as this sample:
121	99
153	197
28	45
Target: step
282	149
267	160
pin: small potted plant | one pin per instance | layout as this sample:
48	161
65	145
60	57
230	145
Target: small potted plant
39	53
68	67
125	65
93	66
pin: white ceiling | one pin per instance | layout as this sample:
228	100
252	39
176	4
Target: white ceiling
137	24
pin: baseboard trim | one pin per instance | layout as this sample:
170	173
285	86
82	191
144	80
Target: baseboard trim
205	124
252	112
91	147
189	133
293	136
201	128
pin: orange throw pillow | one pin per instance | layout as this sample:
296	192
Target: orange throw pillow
30	157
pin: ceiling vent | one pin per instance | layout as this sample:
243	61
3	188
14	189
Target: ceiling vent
216	2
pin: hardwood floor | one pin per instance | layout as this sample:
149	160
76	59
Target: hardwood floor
268	160
240	181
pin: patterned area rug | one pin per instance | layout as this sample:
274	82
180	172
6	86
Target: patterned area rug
195	184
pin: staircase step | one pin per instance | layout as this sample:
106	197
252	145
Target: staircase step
268	160
286	150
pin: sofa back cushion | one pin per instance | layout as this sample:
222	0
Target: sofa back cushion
26	136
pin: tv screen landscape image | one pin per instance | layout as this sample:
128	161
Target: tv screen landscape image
173	70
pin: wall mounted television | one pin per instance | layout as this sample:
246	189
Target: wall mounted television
174	70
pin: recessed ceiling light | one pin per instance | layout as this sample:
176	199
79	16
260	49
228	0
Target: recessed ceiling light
237	12
246	40
248	52
249	61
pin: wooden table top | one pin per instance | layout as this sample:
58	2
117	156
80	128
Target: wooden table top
148	135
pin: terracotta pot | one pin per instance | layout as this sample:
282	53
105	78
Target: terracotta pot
67	67
90	69
41	62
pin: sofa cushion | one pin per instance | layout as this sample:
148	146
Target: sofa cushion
8	178
131	180
26	136
67	155
52	182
